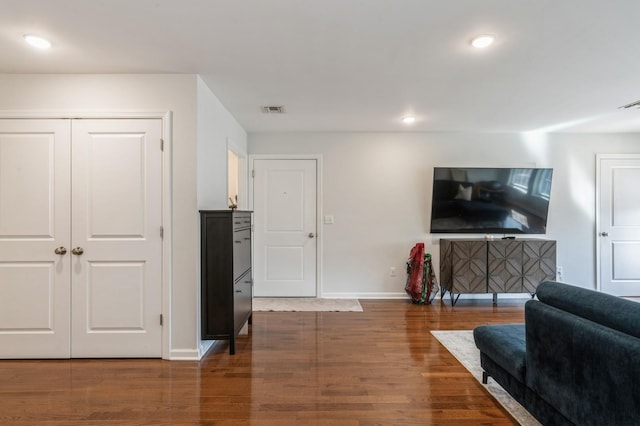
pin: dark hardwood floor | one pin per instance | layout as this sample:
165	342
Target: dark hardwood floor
379	367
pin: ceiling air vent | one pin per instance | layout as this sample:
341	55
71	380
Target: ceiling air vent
635	104
273	109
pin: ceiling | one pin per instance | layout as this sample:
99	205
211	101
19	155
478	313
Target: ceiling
358	65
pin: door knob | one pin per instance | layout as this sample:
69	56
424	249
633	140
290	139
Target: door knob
604	234
77	251
311	235
60	250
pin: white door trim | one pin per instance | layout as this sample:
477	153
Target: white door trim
599	158
167	132
319	198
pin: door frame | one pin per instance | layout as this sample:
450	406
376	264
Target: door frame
165	118
319	209
599	158
243	192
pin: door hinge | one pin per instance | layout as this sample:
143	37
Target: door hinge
162	232
161	319
253	173
161	144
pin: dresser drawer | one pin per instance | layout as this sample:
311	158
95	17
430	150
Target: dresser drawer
241	221
242	299
241	252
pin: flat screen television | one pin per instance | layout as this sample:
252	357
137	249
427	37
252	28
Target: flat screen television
490	200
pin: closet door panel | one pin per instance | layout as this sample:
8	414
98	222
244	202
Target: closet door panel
34	224
117	265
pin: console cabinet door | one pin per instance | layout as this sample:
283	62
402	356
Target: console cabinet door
538	263
505	266
469	266
446	268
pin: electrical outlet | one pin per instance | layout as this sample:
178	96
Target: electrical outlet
392	271
559	273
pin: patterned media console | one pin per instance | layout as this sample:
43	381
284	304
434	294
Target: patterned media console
495	266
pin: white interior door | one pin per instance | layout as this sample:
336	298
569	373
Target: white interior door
619	224
34	222
285	240
80	243
116	241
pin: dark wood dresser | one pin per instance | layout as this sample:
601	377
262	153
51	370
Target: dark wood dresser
227	284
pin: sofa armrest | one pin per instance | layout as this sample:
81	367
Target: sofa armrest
590	373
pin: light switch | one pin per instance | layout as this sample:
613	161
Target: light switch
328	219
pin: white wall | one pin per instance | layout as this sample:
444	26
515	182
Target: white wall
215	127
200	125
378	187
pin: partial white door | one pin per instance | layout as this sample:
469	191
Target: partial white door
619	224
116	250
285	240
34	238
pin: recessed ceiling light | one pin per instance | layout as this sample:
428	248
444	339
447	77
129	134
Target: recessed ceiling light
409	119
37	41
482	41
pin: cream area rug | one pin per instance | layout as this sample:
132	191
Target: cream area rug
462	346
282	304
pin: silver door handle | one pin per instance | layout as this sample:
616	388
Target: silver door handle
311	235
604	234
60	250
77	251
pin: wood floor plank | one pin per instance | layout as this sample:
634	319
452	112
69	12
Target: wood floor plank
377	367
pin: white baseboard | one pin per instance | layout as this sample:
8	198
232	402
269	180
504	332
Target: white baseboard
184	355
191	354
378	295
398	295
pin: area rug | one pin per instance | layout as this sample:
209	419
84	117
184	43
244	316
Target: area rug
462	346
278	304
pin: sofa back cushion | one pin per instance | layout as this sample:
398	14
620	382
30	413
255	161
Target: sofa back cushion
611	311
588	372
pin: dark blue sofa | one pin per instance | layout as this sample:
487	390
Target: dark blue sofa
575	360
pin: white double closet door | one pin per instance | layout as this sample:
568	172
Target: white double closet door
80	241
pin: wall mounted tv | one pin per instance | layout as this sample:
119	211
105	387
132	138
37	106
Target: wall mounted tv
490	200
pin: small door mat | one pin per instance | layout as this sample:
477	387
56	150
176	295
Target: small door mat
277	304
